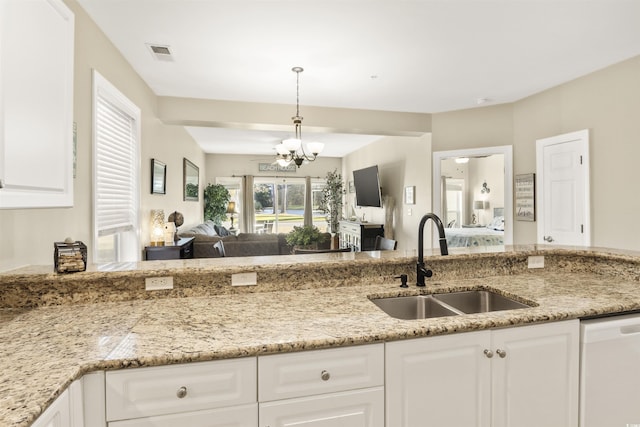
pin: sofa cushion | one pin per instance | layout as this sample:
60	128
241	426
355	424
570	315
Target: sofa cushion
254	248
205	229
255	237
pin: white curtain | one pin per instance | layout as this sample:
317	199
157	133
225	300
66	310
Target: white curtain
443	202
308	206
248	207
389	209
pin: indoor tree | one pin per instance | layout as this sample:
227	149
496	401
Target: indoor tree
331	203
216	199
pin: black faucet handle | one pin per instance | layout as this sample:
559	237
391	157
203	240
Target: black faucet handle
403	280
421	273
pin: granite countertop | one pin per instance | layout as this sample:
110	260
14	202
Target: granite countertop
44	349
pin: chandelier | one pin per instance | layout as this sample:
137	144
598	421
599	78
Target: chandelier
292	149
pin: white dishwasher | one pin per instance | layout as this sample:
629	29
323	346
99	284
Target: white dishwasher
610	372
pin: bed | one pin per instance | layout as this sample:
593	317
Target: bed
491	235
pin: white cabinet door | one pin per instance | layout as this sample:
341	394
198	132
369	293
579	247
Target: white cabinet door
535	375
527	377
56	415
36	104
362	408
439	381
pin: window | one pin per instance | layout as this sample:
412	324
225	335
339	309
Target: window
234	186
455	206
116	148
280	204
319	217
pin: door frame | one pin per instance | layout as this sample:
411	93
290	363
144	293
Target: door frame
507	152
581	136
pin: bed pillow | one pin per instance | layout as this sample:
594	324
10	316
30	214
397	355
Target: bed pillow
497	223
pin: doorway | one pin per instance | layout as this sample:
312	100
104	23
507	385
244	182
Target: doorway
562	189
506	184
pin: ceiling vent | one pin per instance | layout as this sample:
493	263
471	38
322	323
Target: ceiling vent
160	52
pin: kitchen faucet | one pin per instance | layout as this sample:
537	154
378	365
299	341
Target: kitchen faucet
421	270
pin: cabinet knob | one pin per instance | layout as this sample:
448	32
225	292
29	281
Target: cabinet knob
501	353
325	375
182	392
488	353
548	239
1	184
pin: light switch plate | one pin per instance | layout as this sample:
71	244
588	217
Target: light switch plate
536	261
244	279
158	283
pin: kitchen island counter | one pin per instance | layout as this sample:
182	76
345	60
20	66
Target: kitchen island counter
46	347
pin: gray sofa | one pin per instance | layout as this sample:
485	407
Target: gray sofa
244	244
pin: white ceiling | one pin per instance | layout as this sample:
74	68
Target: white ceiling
427	56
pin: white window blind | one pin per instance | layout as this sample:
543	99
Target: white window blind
115	161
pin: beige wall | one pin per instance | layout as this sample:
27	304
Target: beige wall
608	103
473	128
235	165
28	234
253	115
226	165
490	170
402	162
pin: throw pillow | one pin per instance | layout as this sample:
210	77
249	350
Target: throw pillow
222	232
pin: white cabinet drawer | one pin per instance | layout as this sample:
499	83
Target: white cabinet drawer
236	416
146	392
350	228
320	371
357	408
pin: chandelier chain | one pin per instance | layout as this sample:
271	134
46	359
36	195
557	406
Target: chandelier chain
296	153
298	93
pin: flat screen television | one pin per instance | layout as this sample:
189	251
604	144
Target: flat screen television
367	185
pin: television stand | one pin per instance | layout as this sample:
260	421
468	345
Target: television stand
360	236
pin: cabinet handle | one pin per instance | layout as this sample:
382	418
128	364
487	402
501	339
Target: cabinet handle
488	353
501	353
325	375
182	392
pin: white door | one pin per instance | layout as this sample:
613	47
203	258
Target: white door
563	189
535	375
56	415
439	381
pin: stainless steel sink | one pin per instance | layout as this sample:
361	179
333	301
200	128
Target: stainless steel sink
479	301
416	307
446	304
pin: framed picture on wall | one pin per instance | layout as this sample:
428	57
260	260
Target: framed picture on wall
191	180
158	177
526	197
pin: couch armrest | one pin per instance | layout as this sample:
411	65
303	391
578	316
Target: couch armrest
204	250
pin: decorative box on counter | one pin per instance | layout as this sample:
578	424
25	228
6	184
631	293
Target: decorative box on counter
70	256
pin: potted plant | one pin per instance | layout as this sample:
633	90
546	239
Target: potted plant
306	236
216	198
331	203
